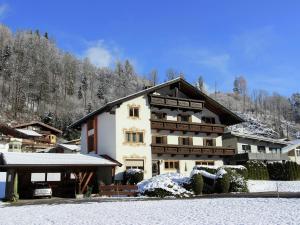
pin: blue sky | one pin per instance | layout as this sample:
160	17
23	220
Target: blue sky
216	39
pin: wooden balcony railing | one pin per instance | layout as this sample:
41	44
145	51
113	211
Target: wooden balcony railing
187	126
181	103
191	150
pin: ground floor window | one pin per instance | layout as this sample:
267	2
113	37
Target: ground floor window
205	163
170	164
275	150
246	148
261	149
134	164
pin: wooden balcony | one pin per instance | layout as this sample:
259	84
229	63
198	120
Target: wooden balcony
187	126
176	103
191	150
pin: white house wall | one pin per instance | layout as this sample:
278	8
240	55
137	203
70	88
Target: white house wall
124	122
106	134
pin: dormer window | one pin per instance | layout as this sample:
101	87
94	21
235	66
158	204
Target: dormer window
184	118
134	112
210	120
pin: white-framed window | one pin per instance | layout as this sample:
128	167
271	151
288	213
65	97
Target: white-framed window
134	164
134	137
261	149
246	148
134	112
171	164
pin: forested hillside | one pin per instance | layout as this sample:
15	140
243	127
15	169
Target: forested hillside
40	81
271	115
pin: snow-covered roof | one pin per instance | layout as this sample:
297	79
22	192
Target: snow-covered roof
292	145
75	148
257	137
53	159
31	133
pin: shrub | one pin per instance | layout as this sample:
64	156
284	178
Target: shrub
133	176
257	170
284	171
237	181
197	184
223	184
207	169
158	192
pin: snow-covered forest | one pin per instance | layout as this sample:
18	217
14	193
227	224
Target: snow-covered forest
39	81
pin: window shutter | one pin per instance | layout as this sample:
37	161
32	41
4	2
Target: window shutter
214	142
180	140
165	140
190	140
153	139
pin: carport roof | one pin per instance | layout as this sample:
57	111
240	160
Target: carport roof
13	159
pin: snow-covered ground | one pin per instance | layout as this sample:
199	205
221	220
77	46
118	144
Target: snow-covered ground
268	185
196	211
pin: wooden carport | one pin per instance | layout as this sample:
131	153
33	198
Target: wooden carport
19	167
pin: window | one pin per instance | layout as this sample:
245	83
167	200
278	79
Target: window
172	165
158	115
210	120
205	163
134	137
298	152
134	112
184	118
209	142
159	139
134	164
275	150
261	149
185	140
246	148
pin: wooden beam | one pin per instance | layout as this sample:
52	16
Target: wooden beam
87	181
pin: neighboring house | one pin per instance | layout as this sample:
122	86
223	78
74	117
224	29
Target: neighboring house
253	147
21	140
293	150
48	132
167	128
62	148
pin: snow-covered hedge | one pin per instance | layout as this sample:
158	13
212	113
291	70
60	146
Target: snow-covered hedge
170	184
225	179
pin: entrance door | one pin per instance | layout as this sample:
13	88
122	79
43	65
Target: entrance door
155	168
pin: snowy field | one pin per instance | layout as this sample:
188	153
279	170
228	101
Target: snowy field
196	211
267	185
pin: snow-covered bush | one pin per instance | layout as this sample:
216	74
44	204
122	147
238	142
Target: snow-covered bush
257	170
171	184
237	182
197	184
133	176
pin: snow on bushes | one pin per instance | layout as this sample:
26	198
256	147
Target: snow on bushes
133	176
225	179
170	184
